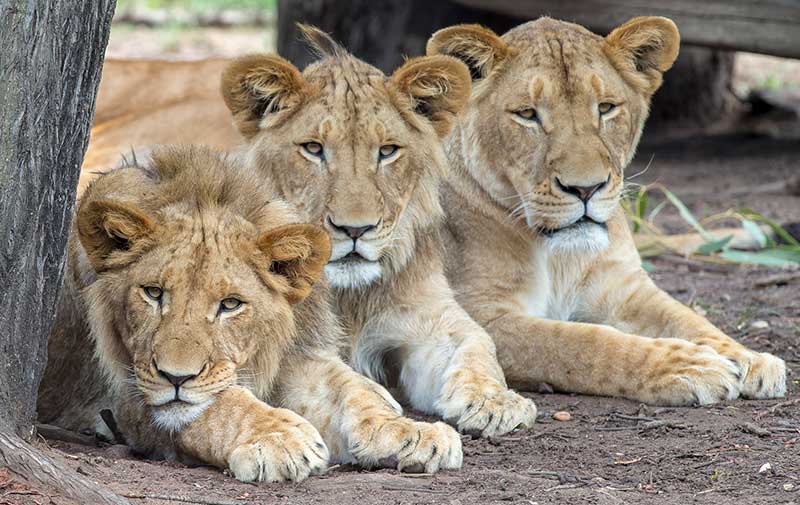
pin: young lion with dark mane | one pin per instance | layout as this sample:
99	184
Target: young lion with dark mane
539	251
360	153
195	288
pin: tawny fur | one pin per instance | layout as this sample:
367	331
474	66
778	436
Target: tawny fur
568	303
268	385
396	305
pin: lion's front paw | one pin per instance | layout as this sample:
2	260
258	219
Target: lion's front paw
764	375
408	445
497	414
292	451
683	373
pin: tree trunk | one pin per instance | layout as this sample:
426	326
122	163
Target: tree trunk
380	32
51	55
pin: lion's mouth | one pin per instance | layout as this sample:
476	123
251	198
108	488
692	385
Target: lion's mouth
582	222
351	257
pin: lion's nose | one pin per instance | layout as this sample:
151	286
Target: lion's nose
354	232
582	192
175	378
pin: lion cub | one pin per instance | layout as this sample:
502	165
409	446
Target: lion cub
360	154
539	251
193	288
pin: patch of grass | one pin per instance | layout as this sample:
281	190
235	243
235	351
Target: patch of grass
767	252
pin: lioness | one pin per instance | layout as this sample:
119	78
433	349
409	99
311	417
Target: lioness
194	286
360	153
539	251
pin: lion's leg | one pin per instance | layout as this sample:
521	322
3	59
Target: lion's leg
600	360
635	304
360	420
448	367
257	442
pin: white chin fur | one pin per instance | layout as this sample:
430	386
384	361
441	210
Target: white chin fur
350	275
174	417
586	237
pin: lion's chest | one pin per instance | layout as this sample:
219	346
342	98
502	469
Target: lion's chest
547	291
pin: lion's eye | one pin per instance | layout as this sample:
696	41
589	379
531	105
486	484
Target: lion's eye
230	304
527	114
314	149
605	108
387	151
153	292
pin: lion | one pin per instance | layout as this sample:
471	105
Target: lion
538	248
360	154
200	294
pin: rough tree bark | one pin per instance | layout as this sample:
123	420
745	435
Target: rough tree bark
51	55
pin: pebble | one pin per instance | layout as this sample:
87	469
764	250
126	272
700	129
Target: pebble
562	416
788	486
759	325
766	467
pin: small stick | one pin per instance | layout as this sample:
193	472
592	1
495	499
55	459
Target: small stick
182	499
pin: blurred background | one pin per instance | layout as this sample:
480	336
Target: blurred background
719	76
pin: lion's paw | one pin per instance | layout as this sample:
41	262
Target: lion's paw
408	445
291	453
688	374
764	375
496	414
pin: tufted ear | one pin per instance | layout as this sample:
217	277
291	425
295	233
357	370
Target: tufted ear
297	254
113	233
643	49
479	48
437	87
261	90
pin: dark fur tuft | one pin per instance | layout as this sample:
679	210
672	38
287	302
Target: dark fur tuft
321	43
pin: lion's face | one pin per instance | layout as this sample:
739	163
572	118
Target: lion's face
357	151
189	297
556	115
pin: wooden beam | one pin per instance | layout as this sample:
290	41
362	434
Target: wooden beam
758	26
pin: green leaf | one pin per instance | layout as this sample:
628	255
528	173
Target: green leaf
776	228
656	210
687	215
648	267
755	231
775	257
713	246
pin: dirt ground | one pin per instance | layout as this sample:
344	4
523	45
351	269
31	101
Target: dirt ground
612	451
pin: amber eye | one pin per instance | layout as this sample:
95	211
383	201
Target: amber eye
153	292
387	151
527	114
605	108
314	149
230	304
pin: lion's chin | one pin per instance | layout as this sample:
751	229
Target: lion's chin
352	273
173	416
585	235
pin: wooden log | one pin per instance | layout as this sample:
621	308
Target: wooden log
762	26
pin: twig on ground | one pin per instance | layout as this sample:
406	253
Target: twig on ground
415	489
50	432
787	403
182	499
777	279
755	430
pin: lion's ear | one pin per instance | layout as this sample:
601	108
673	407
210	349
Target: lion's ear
437	88
643	49
479	48
113	233
297	254
261	91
